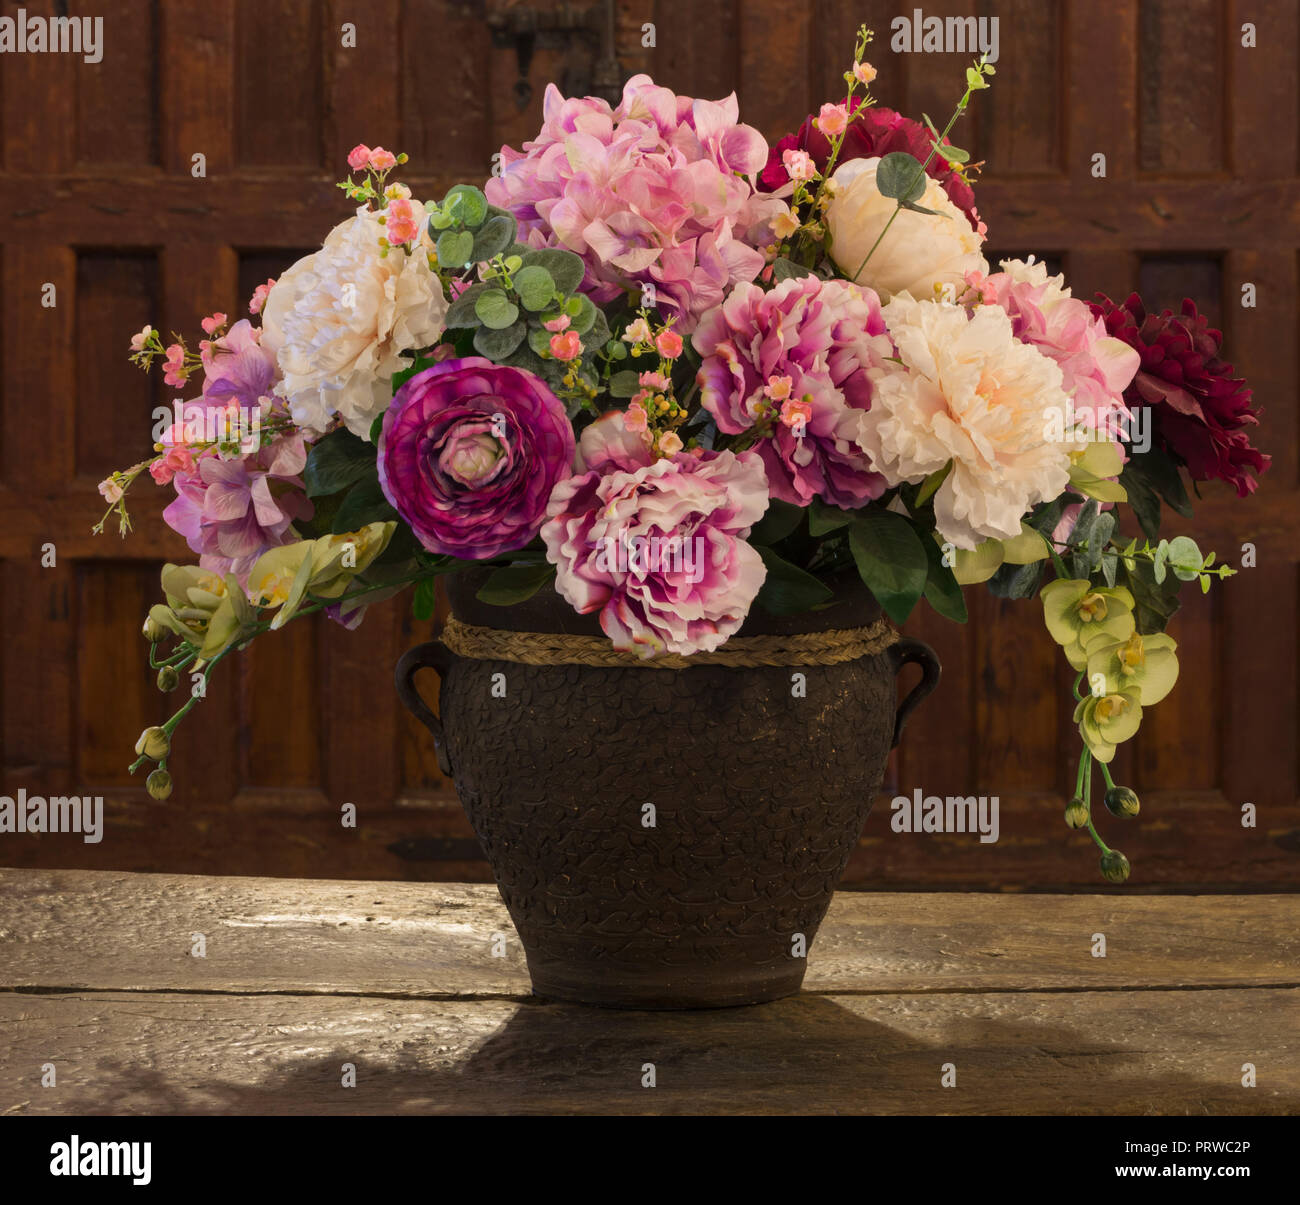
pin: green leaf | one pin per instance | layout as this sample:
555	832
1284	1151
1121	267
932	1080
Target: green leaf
460	314
585	318
535	286
425	601
624	384
1185	558
365	503
787	589
1102	530
1143	500
823	518
1163	475
418	365
900	176
495	310
566	268
377	428
915	208
779	521
493	237
455	248
597	335
784	269
514	584
1154	602
891	560
1109	565
953	154
1016	581
470	205
941	589
496	345
336	461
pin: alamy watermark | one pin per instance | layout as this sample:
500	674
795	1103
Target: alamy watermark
82	814
22	34
920	813
645	555
919	34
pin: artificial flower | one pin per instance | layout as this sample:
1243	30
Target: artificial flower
469	454
1080	616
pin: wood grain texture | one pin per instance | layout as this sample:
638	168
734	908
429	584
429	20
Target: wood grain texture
301	978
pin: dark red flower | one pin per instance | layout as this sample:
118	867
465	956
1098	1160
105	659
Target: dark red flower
1201	413
877	132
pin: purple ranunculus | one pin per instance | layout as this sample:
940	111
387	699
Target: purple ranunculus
469	454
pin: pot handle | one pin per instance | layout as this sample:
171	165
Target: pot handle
432	655
914	652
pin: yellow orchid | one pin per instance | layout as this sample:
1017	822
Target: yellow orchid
202	608
1093	469
971	566
280	577
1146	663
1078	616
1108	721
338	558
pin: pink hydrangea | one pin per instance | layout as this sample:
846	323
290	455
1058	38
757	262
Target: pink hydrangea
657	547
232	511
812	341
659	191
236	367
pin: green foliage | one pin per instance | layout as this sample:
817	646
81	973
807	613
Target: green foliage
787	589
461	312
535	286
900	176
493	237
455	247
336	461
566	268
784	269
515	583
941	589
625	384
891	560
496	344
780	520
364	503
824	518
495	310
425	600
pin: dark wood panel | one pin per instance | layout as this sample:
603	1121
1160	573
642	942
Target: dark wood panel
117	98
1180	73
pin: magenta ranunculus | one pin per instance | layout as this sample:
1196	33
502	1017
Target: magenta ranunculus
469	454
232	511
878	131
658	547
796	359
1202	413
658	191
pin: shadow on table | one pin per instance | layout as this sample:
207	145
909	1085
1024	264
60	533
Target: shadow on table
810	1054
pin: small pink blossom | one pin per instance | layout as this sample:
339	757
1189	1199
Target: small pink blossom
638	332
260	294
358	156
138	341
669	344
864	73
555	325
634	417
213	323
777	388
174	366
670	443
796	412
832	120
653	380
176	459
566	346
800	165
401	224
444	351
381	160
397	192
111	491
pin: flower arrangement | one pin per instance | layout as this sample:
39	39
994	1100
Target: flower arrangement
675	374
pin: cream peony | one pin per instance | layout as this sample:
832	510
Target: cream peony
923	254
339	319
967	391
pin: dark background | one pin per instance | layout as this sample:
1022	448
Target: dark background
97	198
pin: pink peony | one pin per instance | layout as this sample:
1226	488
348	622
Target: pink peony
658	547
1096	368
658	191
232	511
812	340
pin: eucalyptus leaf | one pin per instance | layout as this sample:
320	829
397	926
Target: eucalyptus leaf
566	268
460	314
624	384
455	248
535	286
470	205
495	310
784	269
497	344
900	176
493	237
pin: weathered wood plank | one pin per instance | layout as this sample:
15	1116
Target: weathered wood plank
70	929
1139	1053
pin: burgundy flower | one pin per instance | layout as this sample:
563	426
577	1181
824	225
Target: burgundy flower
877	132
1201	413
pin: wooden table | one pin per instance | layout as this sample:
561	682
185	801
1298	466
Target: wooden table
400	980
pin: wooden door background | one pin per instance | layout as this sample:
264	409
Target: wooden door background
97	198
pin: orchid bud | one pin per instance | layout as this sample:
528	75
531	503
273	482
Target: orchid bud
153	744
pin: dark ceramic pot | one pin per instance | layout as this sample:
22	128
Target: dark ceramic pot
758	795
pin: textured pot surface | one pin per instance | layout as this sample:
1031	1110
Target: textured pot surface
666	838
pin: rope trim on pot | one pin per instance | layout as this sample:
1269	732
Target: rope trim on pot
553	648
